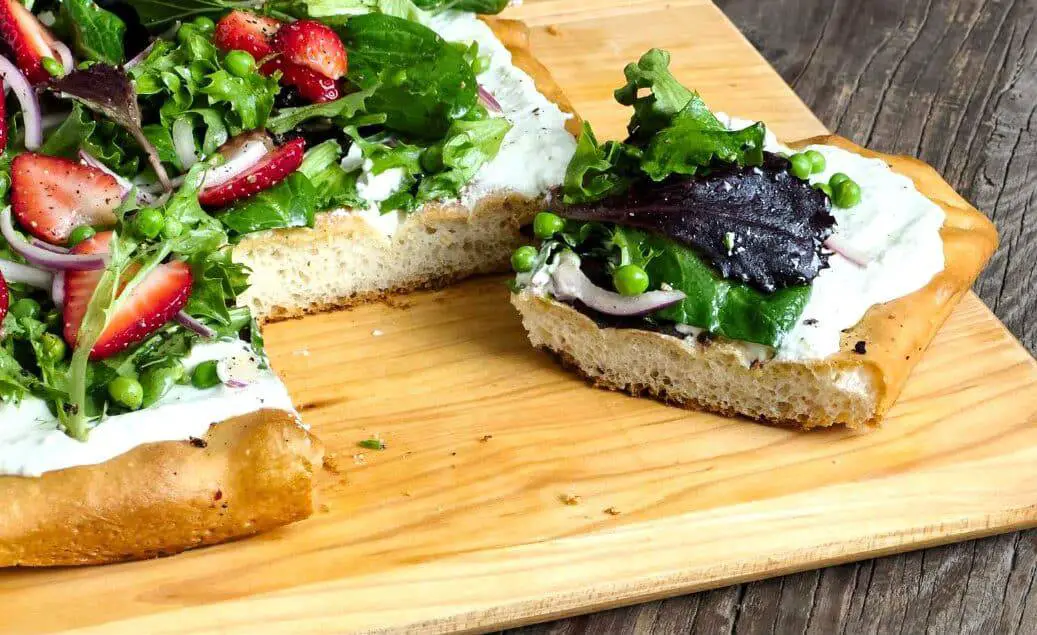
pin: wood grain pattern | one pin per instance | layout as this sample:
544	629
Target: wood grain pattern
971	64
461	524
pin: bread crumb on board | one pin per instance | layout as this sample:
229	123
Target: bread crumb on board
569	499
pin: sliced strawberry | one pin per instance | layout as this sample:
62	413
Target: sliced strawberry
150	305
245	31
312	86
4	299
274	168
51	196
25	39
313	45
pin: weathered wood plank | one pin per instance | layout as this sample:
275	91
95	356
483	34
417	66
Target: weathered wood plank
953	82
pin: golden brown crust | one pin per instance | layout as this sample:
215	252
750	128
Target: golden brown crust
896	333
254	473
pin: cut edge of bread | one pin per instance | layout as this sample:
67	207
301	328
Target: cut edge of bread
714	375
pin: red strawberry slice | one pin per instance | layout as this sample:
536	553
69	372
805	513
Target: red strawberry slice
149	306
25	39
271	170
313	45
51	196
312	86
4	299
245	31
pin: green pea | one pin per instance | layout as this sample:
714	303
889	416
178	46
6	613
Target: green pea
847	194
824	187
149	222
186	32
159	380
53	346
126	391
52	66
523	258
240	63
204	24
801	166
630	280
546	224
205	375
817	161
81	233
172	228
26	308
837	179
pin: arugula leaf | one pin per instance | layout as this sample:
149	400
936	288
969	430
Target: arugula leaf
97	34
218	281
334	185
468	146
685	148
188	78
158	13
423	83
485	7
596	172
654	111
291	203
343	110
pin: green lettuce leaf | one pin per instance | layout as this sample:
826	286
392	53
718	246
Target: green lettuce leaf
597	171
485	7
343	110
468	146
290	203
97	34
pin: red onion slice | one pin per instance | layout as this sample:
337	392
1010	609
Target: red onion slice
570	283
57	290
16	272
42	244
140	57
488	100
45	258
848	251
63	53
188	322
26	95
247	156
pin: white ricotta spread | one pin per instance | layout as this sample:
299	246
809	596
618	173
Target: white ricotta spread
31	444
533	156
895	226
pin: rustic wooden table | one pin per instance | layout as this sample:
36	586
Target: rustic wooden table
953	82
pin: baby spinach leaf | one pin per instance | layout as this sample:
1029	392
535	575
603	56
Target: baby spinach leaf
97	34
423	83
291	203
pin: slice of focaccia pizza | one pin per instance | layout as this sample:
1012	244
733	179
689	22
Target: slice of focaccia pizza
409	224
711	267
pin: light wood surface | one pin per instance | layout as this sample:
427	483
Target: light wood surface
461	524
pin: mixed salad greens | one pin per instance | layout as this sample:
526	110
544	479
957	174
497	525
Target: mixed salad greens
685	222
142	139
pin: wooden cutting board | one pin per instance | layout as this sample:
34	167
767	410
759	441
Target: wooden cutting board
511	492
